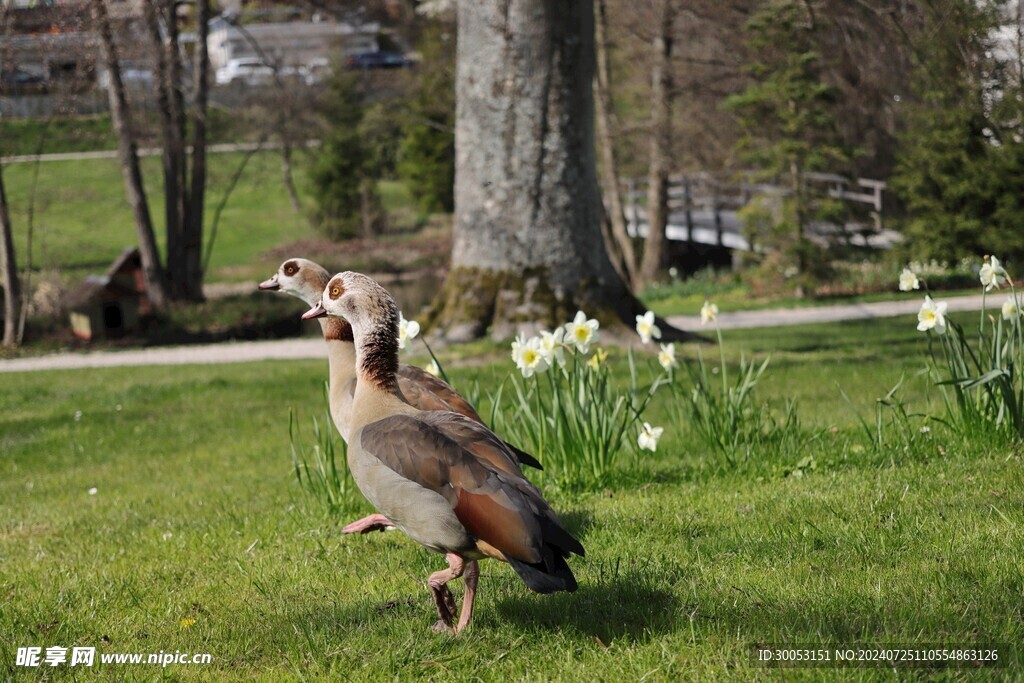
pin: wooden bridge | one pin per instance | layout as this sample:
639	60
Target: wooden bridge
703	209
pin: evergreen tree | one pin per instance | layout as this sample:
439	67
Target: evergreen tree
340	170
960	165
786	116
426	156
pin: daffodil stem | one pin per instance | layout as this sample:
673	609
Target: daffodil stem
440	367
721	355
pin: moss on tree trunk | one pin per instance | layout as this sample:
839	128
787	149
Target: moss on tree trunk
475	303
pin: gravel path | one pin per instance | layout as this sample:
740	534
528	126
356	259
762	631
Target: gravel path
826	314
226	352
291	349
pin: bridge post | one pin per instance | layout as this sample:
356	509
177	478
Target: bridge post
688	212
716	207
633	218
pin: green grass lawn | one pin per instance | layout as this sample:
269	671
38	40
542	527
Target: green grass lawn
83	221
89	133
198	538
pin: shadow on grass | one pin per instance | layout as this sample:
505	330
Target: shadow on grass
624	607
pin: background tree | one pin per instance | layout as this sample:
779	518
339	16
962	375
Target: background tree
184	172
786	116
156	278
617	240
527	237
660	157
340	172
426	157
8	271
8	263
961	155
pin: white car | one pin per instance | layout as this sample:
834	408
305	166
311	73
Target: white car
250	70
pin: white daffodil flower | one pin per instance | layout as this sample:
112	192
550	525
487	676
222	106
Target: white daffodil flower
552	345
434	369
649	436
646	328
407	330
1011	309
708	313
531	358
992	274
908	280
932	316
582	332
667	356
518	346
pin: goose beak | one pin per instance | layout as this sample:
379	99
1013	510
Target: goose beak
317	311
271	284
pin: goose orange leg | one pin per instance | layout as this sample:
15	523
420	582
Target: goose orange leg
470	576
443	599
374	522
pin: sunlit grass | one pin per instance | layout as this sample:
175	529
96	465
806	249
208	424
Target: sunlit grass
197	515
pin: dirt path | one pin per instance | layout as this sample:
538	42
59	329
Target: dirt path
292	349
825	314
226	352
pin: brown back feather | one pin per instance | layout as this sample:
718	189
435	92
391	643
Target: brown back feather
493	501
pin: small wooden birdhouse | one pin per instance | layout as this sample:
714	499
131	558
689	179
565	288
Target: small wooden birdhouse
111	305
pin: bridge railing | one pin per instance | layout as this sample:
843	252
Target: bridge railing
712	195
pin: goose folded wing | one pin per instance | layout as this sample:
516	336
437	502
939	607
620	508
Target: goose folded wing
498	507
426	392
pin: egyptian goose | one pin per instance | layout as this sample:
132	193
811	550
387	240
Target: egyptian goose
448	482
306	280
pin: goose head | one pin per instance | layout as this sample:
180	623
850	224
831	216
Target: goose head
373	316
299	277
368	307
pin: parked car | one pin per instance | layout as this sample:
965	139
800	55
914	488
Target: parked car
133	75
18	82
249	70
381	59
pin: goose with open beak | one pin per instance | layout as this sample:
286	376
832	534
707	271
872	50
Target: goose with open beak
305	280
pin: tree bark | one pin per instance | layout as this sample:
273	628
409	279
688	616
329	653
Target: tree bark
156	283
527	247
661	142
153	13
193	238
176	186
619	243
9	272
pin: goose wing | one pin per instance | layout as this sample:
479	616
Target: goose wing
499	507
425	392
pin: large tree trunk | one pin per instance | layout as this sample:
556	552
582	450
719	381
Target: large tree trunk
620	243
661	142
528	248
9	272
156	283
